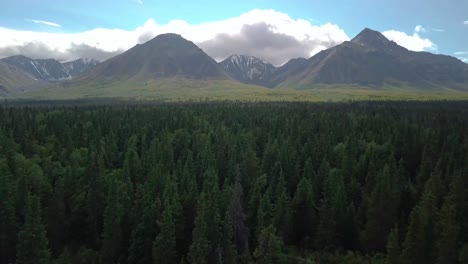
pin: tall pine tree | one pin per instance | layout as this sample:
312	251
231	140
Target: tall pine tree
32	247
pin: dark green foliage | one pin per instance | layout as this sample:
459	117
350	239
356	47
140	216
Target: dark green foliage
7	215
304	216
201	245
382	211
112	239
237	218
164	244
368	182
32	244
393	247
269	249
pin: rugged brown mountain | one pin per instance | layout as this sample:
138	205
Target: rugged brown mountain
165	56
370	59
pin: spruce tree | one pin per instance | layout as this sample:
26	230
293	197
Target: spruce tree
382	211
32	247
418	246
269	248
393	247
304	215
112	230
201	245
237	218
8	227
164	246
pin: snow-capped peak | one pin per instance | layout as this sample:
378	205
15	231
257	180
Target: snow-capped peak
248	69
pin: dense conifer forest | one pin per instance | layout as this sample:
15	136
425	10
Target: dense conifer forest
368	182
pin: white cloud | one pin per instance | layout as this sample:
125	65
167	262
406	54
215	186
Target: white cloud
438	30
412	42
47	23
461	53
140	2
308	38
419	29
465	22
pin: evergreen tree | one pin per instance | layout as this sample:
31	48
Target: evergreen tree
7	215
269	249
393	247
448	223
32	244
164	246
112	231
382	211
141	241
201	245
304	215
237	218
332	212
418	246
282	215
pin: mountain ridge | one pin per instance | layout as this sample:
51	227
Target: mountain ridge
50	69
248	69
369	61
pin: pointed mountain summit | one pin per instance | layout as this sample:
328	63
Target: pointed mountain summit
248	69
165	56
371	38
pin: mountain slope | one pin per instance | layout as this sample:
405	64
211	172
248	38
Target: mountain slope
248	69
50	69
165	56
288	69
14	80
370	59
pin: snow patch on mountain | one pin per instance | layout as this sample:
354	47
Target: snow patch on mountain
248	69
50	69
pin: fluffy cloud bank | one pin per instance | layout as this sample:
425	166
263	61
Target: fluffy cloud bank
412	42
268	34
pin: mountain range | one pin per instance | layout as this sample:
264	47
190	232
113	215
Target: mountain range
369	60
20	73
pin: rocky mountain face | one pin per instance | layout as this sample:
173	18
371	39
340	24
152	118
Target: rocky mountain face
50	69
165	56
79	66
248	69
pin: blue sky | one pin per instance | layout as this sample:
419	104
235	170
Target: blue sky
442	23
